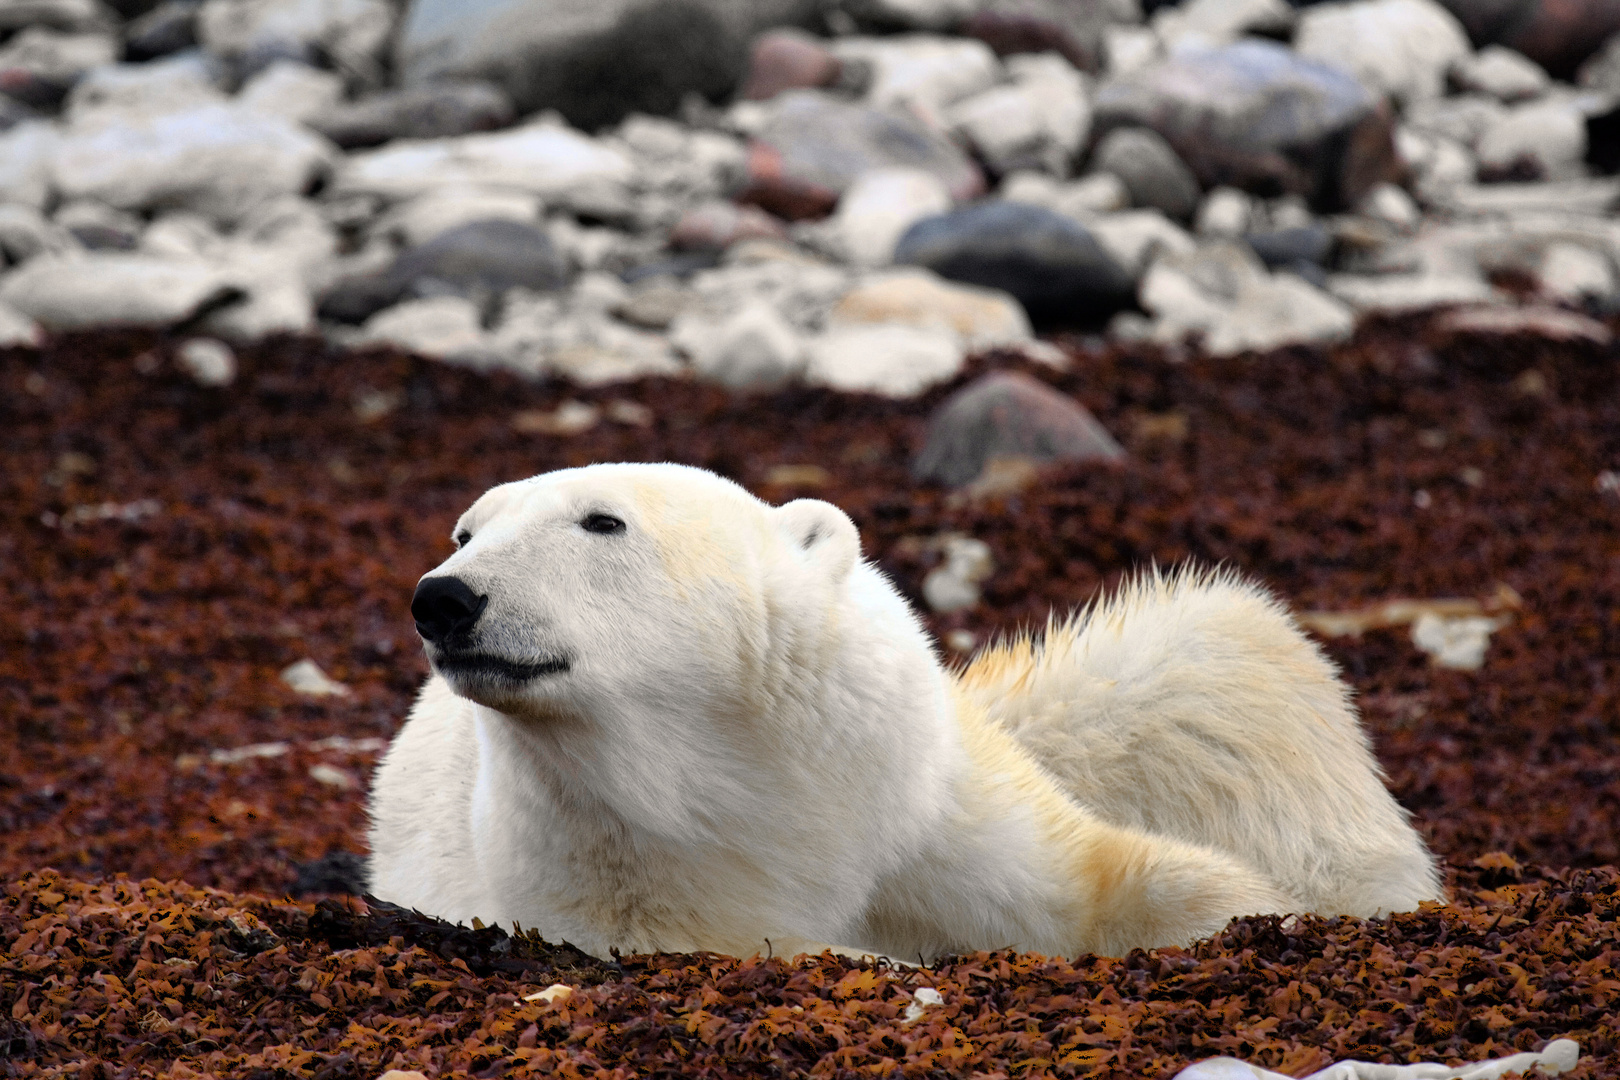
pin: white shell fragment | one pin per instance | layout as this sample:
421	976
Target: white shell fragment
1457	643
306	677
1556	1057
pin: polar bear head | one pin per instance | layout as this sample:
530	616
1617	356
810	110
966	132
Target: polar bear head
661	629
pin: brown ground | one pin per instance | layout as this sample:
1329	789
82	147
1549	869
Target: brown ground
294	511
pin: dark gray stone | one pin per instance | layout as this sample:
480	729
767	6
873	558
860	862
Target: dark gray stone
479	260
1056	269
1254	115
1153	173
430	111
1008	414
167	28
1290	247
14	112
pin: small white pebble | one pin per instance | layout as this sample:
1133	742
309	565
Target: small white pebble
962	641
922	999
306	677
332	776
209	361
1422	499
1456	643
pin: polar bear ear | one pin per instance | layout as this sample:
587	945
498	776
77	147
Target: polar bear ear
822	533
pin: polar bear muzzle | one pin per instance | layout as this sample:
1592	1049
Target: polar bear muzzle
447	610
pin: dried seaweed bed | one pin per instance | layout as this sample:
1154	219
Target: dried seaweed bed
170	549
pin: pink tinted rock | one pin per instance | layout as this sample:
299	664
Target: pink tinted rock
815	146
788	59
1007	414
715	226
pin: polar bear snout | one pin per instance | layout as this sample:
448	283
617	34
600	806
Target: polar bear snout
446	608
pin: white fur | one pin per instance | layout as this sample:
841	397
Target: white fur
755	743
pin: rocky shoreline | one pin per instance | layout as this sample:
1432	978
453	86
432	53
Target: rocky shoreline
856	194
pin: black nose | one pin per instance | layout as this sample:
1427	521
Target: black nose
444	607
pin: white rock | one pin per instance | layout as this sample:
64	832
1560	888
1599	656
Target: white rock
882	205
25	233
1391	293
25	163
105	288
894	361
1097	193
802	292
276	300
574	336
1574	273
209	361
1225	211
979	318
1129	48
1223	293
351	33
306	677
1400	47
545	158
753	349
18	329
923	72
954	583
1458	643
180	234
219	160
1208	24
1502	73
60	14
291	90
1136	237
1462	119
1283	310
1438	164
1040	120
56	57
936	15
1390	203
1552	134
426	216
442	327
169	84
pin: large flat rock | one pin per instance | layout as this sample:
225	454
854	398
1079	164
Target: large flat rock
593	62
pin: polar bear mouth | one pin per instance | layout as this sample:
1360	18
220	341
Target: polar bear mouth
467	665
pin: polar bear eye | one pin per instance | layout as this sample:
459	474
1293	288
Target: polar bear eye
463	538
605	524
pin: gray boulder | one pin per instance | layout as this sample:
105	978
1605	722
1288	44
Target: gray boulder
1153	174
815	146
1050	263
429	111
593	62
1008	414
1253	115
477	261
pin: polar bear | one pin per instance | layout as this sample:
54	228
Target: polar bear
665	715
